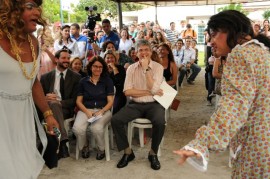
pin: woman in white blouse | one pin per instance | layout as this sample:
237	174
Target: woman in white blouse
65	40
125	42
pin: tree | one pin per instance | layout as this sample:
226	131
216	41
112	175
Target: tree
106	7
266	14
237	7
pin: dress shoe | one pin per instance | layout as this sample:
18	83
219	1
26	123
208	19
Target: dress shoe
100	155
154	162
190	82
63	151
125	159
85	152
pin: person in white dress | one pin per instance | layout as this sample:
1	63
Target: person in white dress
20	90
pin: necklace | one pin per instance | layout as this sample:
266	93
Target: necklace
16	52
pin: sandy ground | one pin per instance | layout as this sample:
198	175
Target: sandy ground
180	129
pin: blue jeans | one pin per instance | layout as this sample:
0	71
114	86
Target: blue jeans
195	71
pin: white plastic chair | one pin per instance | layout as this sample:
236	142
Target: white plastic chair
141	124
67	127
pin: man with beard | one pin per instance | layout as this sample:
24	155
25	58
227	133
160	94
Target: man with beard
60	87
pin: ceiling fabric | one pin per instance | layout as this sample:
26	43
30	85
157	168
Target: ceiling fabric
186	2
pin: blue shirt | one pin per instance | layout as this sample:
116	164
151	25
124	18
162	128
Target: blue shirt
111	37
95	96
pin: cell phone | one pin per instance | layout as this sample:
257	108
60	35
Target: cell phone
57	132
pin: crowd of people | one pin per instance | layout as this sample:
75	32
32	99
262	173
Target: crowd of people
123	71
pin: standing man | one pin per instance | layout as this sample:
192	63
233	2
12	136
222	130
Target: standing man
82	42
189	33
109	34
171	33
60	88
143	80
187	62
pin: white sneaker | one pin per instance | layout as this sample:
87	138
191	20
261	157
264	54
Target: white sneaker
209	103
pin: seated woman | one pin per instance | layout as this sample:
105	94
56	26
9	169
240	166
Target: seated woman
76	66
133	55
168	63
118	75
95	98
121	58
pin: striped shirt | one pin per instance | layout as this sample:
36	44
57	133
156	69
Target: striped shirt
136	79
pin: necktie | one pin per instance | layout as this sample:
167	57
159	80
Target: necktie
182	58
62	88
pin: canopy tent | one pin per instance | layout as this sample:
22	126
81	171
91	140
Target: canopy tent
162	3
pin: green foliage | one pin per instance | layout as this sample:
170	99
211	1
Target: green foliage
51	9
105	7
266	14
237	7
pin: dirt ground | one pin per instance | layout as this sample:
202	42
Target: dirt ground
180	129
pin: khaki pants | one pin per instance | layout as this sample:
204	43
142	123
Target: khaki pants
97	129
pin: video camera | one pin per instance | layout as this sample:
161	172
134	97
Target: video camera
91	22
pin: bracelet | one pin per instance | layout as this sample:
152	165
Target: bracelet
47	113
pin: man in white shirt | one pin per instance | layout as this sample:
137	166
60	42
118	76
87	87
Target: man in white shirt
60	87
187	62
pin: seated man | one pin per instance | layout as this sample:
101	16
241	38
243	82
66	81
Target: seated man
60	88
187	62
143	80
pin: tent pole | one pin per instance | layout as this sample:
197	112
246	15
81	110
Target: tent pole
156	12
120	17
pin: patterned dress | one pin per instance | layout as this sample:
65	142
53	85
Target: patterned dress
243	115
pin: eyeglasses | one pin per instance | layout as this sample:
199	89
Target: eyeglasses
97	67
31	6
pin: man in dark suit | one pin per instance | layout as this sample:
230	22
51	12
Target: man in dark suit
60	87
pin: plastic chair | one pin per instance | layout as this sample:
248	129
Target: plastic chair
67	127
141	124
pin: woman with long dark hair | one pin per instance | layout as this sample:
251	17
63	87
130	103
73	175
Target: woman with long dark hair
242	115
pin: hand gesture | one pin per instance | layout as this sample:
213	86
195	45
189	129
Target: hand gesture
185	154
89	114
159	92
51	122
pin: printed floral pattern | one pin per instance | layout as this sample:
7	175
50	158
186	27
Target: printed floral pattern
243	115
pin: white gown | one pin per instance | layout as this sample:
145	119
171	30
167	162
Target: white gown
19	157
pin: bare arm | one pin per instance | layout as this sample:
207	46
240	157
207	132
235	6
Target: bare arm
174	71
40	101
217	64
79	102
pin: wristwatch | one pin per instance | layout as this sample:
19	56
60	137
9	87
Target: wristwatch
146	70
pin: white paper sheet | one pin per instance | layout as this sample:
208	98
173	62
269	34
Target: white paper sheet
169	94
94	118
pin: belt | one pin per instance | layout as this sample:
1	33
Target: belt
16	97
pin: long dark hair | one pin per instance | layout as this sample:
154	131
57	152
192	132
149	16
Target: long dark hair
170	55
236	24
101	60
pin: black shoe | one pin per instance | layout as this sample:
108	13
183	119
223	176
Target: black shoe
190	82
85	152
100	156
63	151
125	159
154	162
